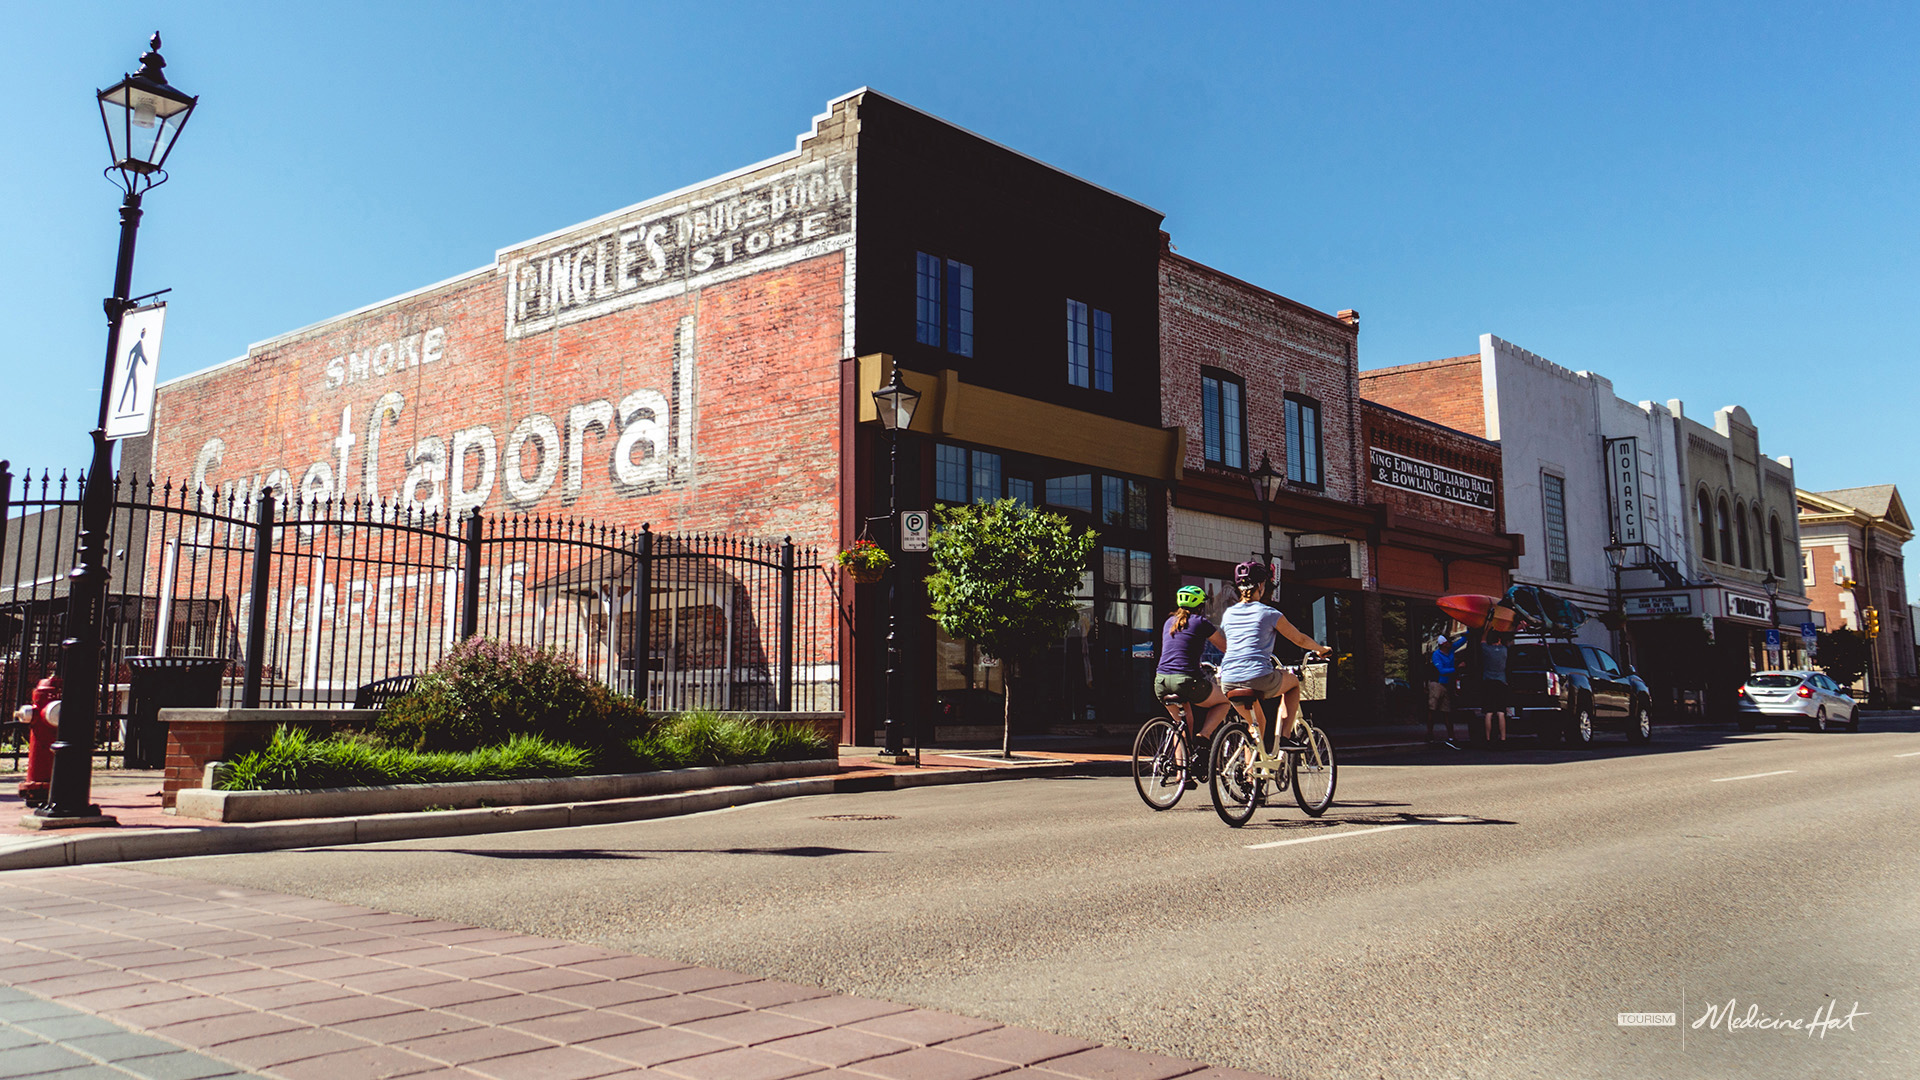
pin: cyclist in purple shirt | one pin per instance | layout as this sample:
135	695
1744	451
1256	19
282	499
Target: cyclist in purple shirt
1182	638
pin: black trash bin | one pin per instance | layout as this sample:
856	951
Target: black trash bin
167	682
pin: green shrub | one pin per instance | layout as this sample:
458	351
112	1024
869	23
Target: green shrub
296	760
705	738
484	692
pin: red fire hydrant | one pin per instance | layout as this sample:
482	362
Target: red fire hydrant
43	726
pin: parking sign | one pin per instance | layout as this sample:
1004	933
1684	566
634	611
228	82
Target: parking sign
914	530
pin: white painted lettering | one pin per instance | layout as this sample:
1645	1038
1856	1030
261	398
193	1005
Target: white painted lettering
814	224
582	419
389	405
426	467
434	346
656	255
336	373
541	430
630	256
643	427
473	440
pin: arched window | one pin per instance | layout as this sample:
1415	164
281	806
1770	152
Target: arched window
1704	507
1723	521
1740	526
1779	553
1760	542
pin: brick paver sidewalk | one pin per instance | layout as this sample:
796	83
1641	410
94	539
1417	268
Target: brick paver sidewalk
298	988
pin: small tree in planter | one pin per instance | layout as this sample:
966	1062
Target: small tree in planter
1004	576
865	561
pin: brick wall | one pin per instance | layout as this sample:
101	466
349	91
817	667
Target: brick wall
1277	346
1447	392
709	407
196	737
1410	437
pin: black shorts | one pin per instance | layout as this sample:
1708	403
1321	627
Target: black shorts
1493	696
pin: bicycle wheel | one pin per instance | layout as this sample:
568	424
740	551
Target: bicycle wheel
1313	773
1160	763
1236	794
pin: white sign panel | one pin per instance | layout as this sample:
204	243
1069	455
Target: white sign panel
136	360
1623	478
915	530
1748	607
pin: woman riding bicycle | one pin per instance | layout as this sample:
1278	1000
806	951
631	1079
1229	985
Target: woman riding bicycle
1250	627
1182	638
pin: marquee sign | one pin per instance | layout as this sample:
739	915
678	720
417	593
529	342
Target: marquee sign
1658	604
1426	478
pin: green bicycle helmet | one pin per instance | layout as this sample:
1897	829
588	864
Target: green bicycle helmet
1190	596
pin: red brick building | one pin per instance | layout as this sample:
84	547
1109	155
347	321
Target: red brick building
1852	560
1441	529
703	362
1252	376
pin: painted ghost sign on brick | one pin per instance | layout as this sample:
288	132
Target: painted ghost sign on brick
713	236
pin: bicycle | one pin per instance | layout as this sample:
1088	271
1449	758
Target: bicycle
1241	767
1166	754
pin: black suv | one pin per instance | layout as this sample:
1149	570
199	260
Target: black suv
1565	692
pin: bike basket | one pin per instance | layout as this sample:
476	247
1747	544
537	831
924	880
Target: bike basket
1313	682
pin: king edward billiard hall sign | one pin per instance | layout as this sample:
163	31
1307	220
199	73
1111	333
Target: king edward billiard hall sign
1426	478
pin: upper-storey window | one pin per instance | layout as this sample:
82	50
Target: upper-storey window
1223	419
1740	526
1304	458
943	303
1553	491
1089	347
1703	511
1773	544
1723	522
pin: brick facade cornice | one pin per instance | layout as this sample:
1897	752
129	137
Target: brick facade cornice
1327	322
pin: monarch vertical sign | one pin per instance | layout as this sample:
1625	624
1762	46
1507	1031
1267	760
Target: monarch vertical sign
1623	480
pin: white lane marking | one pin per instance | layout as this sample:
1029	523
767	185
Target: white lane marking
1916	753
1356	832
1752	776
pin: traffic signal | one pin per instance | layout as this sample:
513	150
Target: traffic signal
1873	622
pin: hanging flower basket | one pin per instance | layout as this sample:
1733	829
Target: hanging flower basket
865	562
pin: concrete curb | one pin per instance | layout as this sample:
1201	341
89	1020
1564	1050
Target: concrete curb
255	806
104	847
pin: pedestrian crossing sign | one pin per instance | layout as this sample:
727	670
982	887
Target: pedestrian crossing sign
136	360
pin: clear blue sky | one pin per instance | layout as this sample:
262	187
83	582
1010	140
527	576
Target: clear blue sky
1708	202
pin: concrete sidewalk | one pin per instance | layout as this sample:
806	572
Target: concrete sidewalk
120	973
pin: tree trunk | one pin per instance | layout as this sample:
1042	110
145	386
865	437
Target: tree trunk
1006	709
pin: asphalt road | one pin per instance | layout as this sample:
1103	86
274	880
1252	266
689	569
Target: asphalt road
1772	871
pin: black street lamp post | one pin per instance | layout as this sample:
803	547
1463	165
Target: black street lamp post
895	403
1775	647
1266	485
143	116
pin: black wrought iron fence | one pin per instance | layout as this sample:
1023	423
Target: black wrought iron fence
312	601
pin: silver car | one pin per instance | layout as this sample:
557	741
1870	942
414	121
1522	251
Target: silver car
1796	696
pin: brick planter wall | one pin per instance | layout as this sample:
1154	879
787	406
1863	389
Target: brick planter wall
198	736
